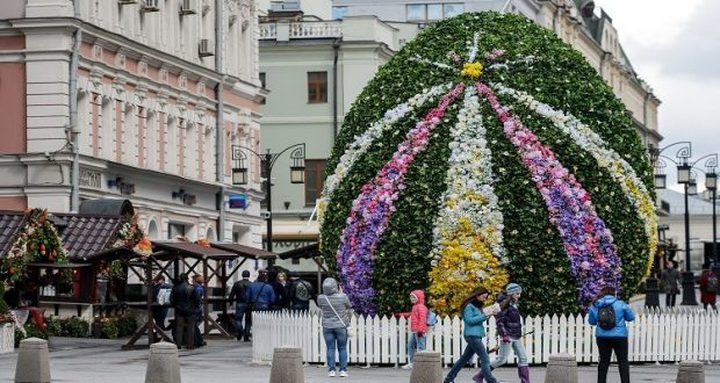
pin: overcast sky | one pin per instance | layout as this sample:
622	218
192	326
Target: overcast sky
675	47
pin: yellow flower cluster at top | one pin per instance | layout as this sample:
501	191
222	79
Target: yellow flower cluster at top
466	263
472	70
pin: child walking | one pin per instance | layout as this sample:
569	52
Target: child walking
509	327
418	326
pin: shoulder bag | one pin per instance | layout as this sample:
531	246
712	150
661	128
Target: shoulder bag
350	330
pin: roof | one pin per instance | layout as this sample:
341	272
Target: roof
85	236
674	201
10	223
305	252
245	251
192	250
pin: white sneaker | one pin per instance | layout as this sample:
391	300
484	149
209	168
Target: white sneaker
331	374
343	374
408	366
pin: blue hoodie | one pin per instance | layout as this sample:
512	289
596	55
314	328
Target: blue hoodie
623	313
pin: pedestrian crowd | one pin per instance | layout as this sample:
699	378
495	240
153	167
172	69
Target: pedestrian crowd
275	291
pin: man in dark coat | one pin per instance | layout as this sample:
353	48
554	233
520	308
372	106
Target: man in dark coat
260	296
185	301
238	294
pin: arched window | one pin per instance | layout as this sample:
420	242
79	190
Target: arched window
171	151
153	232
151	140
191	149
107	128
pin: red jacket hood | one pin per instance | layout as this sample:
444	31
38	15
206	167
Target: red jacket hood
420	295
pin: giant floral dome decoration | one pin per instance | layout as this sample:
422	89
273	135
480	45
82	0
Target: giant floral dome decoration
487	150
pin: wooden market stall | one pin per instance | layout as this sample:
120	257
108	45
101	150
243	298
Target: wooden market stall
218	262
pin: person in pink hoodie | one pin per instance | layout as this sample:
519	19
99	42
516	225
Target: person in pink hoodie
418	326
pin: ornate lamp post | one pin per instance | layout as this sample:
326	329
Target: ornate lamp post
267	161
683	155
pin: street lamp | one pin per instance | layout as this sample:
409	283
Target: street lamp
711	164
683	168
267	161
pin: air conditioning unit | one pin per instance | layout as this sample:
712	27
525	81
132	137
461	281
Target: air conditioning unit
188	7
151	6
123	2
205	48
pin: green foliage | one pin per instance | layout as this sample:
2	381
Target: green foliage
30	332
560	77
118	326
73	327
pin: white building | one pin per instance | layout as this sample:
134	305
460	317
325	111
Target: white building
146	91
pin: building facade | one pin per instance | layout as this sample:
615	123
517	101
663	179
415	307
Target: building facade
135	99
576	22
314	69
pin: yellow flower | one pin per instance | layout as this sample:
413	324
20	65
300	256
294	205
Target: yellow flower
472	70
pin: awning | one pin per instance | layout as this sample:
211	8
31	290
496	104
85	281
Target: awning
192	250
306	252
245	251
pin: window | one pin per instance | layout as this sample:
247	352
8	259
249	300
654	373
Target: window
433	12
314	173
339	12
317	87
262	82
175	230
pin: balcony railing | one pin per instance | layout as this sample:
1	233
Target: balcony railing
303	30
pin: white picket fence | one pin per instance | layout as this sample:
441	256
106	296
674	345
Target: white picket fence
655	336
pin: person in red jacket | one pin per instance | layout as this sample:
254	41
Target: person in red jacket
418	326
709	286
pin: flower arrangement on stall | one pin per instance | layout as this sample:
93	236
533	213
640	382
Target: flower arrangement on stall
37	241
144	247
5	316
115	270
487	150
129	234
204	242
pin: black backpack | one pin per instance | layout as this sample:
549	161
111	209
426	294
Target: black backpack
713	284
606	318
303	291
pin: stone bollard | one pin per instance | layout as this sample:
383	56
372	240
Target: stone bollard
163	364
562	368
287	366
691	371
33	363
427	368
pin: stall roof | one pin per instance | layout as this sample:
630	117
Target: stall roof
193	250
86	236
10	223
245	251
305	252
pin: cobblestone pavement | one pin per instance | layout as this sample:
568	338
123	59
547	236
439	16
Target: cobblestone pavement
225	360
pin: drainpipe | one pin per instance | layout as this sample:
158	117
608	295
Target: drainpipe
220	119
336	49
74	129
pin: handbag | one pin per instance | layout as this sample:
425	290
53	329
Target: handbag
349	329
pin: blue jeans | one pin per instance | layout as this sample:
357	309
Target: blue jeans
517	346
474	346
240	314
336	337
415	343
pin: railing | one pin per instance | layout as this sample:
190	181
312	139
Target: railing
303	30
655	336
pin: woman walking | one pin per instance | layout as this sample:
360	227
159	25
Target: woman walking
609	314
336	312
473	318
509	327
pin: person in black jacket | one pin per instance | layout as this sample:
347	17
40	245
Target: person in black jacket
185	301
281	288
237	293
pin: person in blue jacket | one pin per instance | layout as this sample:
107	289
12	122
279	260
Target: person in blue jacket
610	315
259	296
473	332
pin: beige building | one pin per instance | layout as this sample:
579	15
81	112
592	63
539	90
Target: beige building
136	99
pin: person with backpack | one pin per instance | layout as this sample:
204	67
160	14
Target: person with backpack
509	328
281	288
185	301
671	281
199	284
237	294
336	313
418	326
709	286
259	296
474	315
161	300
300	293
609	314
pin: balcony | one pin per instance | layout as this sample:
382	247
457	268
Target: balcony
301	30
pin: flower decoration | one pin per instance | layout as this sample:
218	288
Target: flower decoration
536	176
144	247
